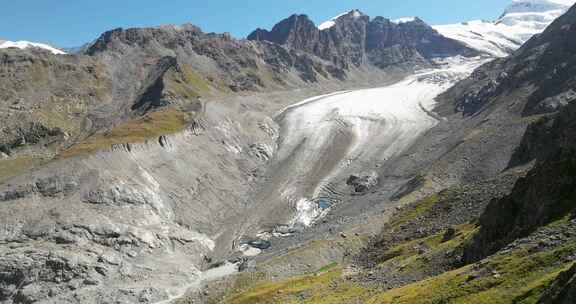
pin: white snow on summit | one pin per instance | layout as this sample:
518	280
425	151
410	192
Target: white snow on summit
27	44
332	22
404	20
520	21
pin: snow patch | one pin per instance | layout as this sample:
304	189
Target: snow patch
306	212
404	20
332	22
249	251
27	44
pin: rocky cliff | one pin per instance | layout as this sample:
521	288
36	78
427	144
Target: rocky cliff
355	39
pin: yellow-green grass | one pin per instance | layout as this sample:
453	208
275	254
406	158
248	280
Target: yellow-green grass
407	255
412	211
153	125
188	84
518	277
321	288
15	166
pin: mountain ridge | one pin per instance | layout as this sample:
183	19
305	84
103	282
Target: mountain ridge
355	39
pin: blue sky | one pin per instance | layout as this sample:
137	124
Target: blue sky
73	22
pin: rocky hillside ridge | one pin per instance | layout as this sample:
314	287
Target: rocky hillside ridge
354	39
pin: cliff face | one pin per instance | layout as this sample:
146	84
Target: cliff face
354	39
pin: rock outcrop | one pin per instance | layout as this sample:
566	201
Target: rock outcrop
563	290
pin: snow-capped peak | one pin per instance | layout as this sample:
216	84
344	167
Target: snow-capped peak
535	6
332	22
405	20
27	44
521	20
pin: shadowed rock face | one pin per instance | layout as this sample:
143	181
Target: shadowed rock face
563	289
355	40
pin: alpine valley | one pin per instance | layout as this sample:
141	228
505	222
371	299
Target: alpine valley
361	160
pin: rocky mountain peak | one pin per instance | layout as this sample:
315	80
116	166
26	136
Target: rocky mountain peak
353	39
292	30
352	15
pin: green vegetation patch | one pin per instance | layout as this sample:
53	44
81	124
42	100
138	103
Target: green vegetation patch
322	288
188	84
153	125
15	166
412	253
415	210
516	277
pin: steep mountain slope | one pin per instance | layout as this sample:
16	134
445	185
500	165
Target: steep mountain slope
519	22
546	62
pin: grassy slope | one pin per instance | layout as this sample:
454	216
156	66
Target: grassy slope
331	283
15	166
519	275
153	125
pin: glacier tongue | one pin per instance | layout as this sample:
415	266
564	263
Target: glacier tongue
349	132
